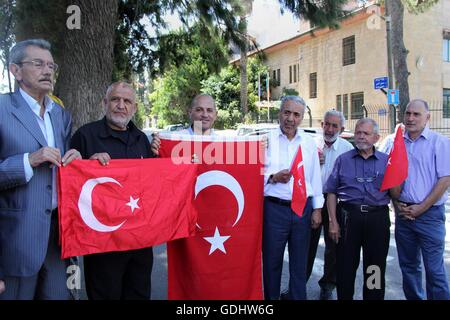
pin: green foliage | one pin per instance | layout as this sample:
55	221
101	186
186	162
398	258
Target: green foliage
289	92
139	116
418	6
174	91
225	89
325	13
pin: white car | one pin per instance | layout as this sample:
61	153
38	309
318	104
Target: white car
256	129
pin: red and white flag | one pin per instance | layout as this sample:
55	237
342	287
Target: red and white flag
223	260
299	190
128	204
397	166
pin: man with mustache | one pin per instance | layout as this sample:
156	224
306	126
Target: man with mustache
420	220
361	218
34	140
281	225
333	146
122	275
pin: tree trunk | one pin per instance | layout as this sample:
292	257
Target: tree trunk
399	54
244	79
87	62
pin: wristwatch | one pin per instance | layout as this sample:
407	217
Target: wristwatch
270	180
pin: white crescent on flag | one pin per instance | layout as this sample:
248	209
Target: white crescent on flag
85	205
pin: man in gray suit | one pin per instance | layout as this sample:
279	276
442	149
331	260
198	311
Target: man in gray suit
34	136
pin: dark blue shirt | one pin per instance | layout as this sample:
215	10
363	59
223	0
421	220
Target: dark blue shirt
357	180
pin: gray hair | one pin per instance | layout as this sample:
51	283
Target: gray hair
197	97
376	128
17	53
121	84
296	99
335	113
425	104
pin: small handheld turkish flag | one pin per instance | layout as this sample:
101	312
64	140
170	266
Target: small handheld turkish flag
397	166
299	189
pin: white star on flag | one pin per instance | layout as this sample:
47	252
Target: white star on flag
217	242
133	204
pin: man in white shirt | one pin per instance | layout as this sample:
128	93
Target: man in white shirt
331	147
281	224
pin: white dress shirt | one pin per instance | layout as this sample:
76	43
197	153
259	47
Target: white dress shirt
331	153
280	154
47	130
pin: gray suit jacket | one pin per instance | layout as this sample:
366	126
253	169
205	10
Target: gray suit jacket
25	208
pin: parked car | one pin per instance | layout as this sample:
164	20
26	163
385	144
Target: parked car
174	127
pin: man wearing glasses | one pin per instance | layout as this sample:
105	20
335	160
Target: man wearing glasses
361	218
34	136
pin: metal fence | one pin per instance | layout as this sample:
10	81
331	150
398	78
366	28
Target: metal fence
382	114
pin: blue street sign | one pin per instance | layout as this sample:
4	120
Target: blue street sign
381	83
393	96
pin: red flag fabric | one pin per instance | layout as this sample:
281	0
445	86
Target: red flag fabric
299	190
397	166
128	204
223	260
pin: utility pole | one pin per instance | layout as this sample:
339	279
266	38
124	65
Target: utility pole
387	18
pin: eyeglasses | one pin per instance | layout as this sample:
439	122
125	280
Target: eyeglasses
39	64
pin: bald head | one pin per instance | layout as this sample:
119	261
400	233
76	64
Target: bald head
416	117
203	112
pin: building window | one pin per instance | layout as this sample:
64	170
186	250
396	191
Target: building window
446	103
348	53
357	103
446	51
295	73
290	74
313	85
345	106
276	77
339	102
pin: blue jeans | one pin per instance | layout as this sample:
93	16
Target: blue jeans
426	235
281	226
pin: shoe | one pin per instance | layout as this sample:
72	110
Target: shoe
285	295
326	294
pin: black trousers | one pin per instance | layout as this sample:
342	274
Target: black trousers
120	275
328	280
369	231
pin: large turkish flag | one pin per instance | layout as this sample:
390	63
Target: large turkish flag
223	259
128	204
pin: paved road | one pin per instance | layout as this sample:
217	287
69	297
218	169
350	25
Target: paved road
393	273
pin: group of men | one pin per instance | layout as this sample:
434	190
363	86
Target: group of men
342	190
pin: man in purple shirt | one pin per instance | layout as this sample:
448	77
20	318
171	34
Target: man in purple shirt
420	222
361	218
